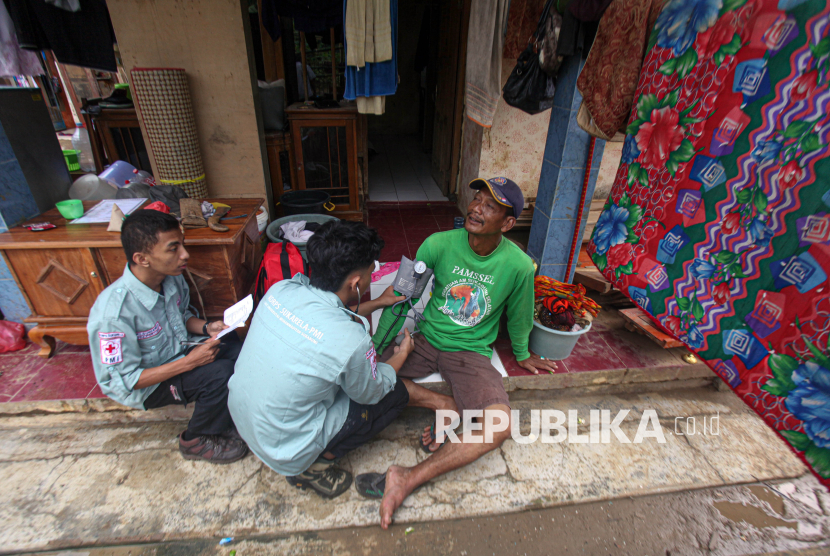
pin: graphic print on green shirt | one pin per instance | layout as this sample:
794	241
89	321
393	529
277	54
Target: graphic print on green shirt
470	294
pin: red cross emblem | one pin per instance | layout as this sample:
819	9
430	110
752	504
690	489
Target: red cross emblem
111	348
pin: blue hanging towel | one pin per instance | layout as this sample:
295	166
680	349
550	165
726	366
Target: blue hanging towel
375	79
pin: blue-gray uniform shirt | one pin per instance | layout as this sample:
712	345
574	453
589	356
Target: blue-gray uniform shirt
132	328
303	359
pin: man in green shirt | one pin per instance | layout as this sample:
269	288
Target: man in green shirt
478	275
139	328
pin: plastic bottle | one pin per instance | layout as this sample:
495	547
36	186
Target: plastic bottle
143	177
80	142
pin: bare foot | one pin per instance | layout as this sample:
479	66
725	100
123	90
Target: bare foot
394	493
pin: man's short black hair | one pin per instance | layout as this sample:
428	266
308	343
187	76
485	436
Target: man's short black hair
140	231
339	248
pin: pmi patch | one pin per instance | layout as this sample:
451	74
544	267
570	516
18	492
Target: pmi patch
152	333
111	347
372	357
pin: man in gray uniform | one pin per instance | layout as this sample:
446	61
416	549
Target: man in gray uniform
137	333
308	387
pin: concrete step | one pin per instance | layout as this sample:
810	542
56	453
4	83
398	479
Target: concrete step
115	477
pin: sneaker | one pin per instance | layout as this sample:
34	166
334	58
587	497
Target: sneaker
324	478
212	448
233	434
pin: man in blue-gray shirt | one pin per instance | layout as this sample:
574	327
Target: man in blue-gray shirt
138	331
308	387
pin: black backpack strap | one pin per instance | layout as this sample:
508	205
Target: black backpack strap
285	263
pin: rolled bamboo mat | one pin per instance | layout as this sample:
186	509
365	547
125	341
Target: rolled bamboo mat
164	100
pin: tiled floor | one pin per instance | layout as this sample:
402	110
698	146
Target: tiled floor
400	171
404	227
67	375
607	346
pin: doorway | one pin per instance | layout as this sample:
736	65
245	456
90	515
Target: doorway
414	145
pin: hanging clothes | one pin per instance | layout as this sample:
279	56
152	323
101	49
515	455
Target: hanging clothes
83	38
13	59
608	81
485	46
270	19
310	16
718	222
311	9
368	32
371	105
375	79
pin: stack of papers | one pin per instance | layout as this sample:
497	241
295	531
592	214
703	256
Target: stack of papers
102	212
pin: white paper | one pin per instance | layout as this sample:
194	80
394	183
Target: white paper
102	212
237	314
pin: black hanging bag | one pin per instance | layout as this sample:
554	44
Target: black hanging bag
529	88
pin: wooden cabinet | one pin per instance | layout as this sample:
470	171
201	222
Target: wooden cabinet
326	148
115	134
62	271
281	163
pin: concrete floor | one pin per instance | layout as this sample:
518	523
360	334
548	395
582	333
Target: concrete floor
103	479
746	519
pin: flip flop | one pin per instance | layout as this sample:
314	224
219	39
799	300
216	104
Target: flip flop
371	485
433	437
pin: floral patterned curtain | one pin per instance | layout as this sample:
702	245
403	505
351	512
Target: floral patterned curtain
718	225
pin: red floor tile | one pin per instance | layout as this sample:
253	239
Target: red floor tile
18	371
445	221
414	210
591	353
423	222
418	236
375	216
393	253
392	237
445	211
385	224
63	377
505	351
413	247
637	351
383	211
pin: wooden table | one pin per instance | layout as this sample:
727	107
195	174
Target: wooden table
61	271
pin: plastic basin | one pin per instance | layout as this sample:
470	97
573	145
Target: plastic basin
71	209
553	344
71	158
306	201
273	229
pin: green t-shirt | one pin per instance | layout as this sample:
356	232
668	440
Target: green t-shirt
470	293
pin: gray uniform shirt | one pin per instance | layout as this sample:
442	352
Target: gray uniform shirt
304	358
132	328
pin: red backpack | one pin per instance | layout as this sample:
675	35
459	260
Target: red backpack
281	261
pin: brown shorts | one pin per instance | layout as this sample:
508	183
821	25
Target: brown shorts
475	383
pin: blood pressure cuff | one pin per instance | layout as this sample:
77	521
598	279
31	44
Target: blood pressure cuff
389	325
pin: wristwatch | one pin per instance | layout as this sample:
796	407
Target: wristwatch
204	329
